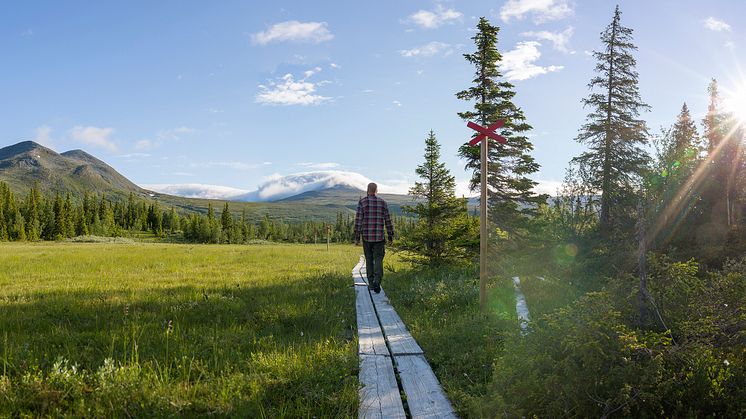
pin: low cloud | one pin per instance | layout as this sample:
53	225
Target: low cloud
279	187
519	63
196	190
716	25
433	19
428	50
288	91
549	187
294	31
559	40
541	10
94	136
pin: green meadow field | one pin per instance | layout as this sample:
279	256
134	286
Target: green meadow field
142	329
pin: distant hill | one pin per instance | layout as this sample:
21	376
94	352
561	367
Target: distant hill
27	163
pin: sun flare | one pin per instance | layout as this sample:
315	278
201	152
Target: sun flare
735	102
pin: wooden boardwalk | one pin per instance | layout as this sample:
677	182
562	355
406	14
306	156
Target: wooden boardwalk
388	351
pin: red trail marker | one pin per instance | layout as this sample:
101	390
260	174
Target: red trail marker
487	132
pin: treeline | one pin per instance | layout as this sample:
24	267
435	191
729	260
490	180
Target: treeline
56	217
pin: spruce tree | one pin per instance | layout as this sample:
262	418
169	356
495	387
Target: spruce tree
673	188
725	157
226	223
436	235
510	191
613	131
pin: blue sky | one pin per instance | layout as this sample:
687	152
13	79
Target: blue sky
238	93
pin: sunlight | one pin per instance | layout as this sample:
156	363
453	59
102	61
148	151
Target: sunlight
735	101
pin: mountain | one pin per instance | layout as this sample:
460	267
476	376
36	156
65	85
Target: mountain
318	196
27	163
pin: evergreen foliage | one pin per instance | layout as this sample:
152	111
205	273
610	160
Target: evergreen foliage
443	230
613	130
58	218
510	191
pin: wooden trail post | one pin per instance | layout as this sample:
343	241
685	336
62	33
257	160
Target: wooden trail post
328	235
484	134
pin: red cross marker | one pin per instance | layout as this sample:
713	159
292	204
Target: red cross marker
487	132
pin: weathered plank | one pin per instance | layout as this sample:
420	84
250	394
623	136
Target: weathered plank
379	395
425	397
370	338
358	273
396	333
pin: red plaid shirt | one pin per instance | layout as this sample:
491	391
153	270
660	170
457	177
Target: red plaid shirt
372	213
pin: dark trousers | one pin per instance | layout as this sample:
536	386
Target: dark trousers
374	252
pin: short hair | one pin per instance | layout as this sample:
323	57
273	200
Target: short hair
372	188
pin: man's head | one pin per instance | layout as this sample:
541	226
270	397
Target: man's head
372	188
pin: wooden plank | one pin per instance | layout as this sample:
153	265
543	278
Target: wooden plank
379	394
396	333
369	334
425	397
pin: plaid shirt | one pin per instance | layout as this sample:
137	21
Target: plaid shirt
372	213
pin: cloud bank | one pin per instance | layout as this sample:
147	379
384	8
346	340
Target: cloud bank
196	190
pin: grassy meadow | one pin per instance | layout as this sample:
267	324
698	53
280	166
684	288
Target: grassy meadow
441	309
158	330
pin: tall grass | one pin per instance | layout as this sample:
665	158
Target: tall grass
177	330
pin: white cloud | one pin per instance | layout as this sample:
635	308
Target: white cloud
730	44
462	189
319	166
335	65
278	187
428	50
43	136
549	187
716	25
94	136
396	103
235	165
430	20
196	190
144	144
518	64
288	91
294	31
174	134
559	40
541	10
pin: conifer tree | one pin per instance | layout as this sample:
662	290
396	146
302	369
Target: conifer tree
438	213
613	131
725	156
510	194
226	223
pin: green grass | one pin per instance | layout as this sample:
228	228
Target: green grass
441	309
154	330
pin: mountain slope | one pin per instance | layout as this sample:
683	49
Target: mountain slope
27	163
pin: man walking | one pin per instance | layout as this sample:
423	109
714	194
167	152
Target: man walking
372	215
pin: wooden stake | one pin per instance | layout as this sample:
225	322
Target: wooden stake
483	233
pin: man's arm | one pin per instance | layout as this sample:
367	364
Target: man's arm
358	220
387	220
